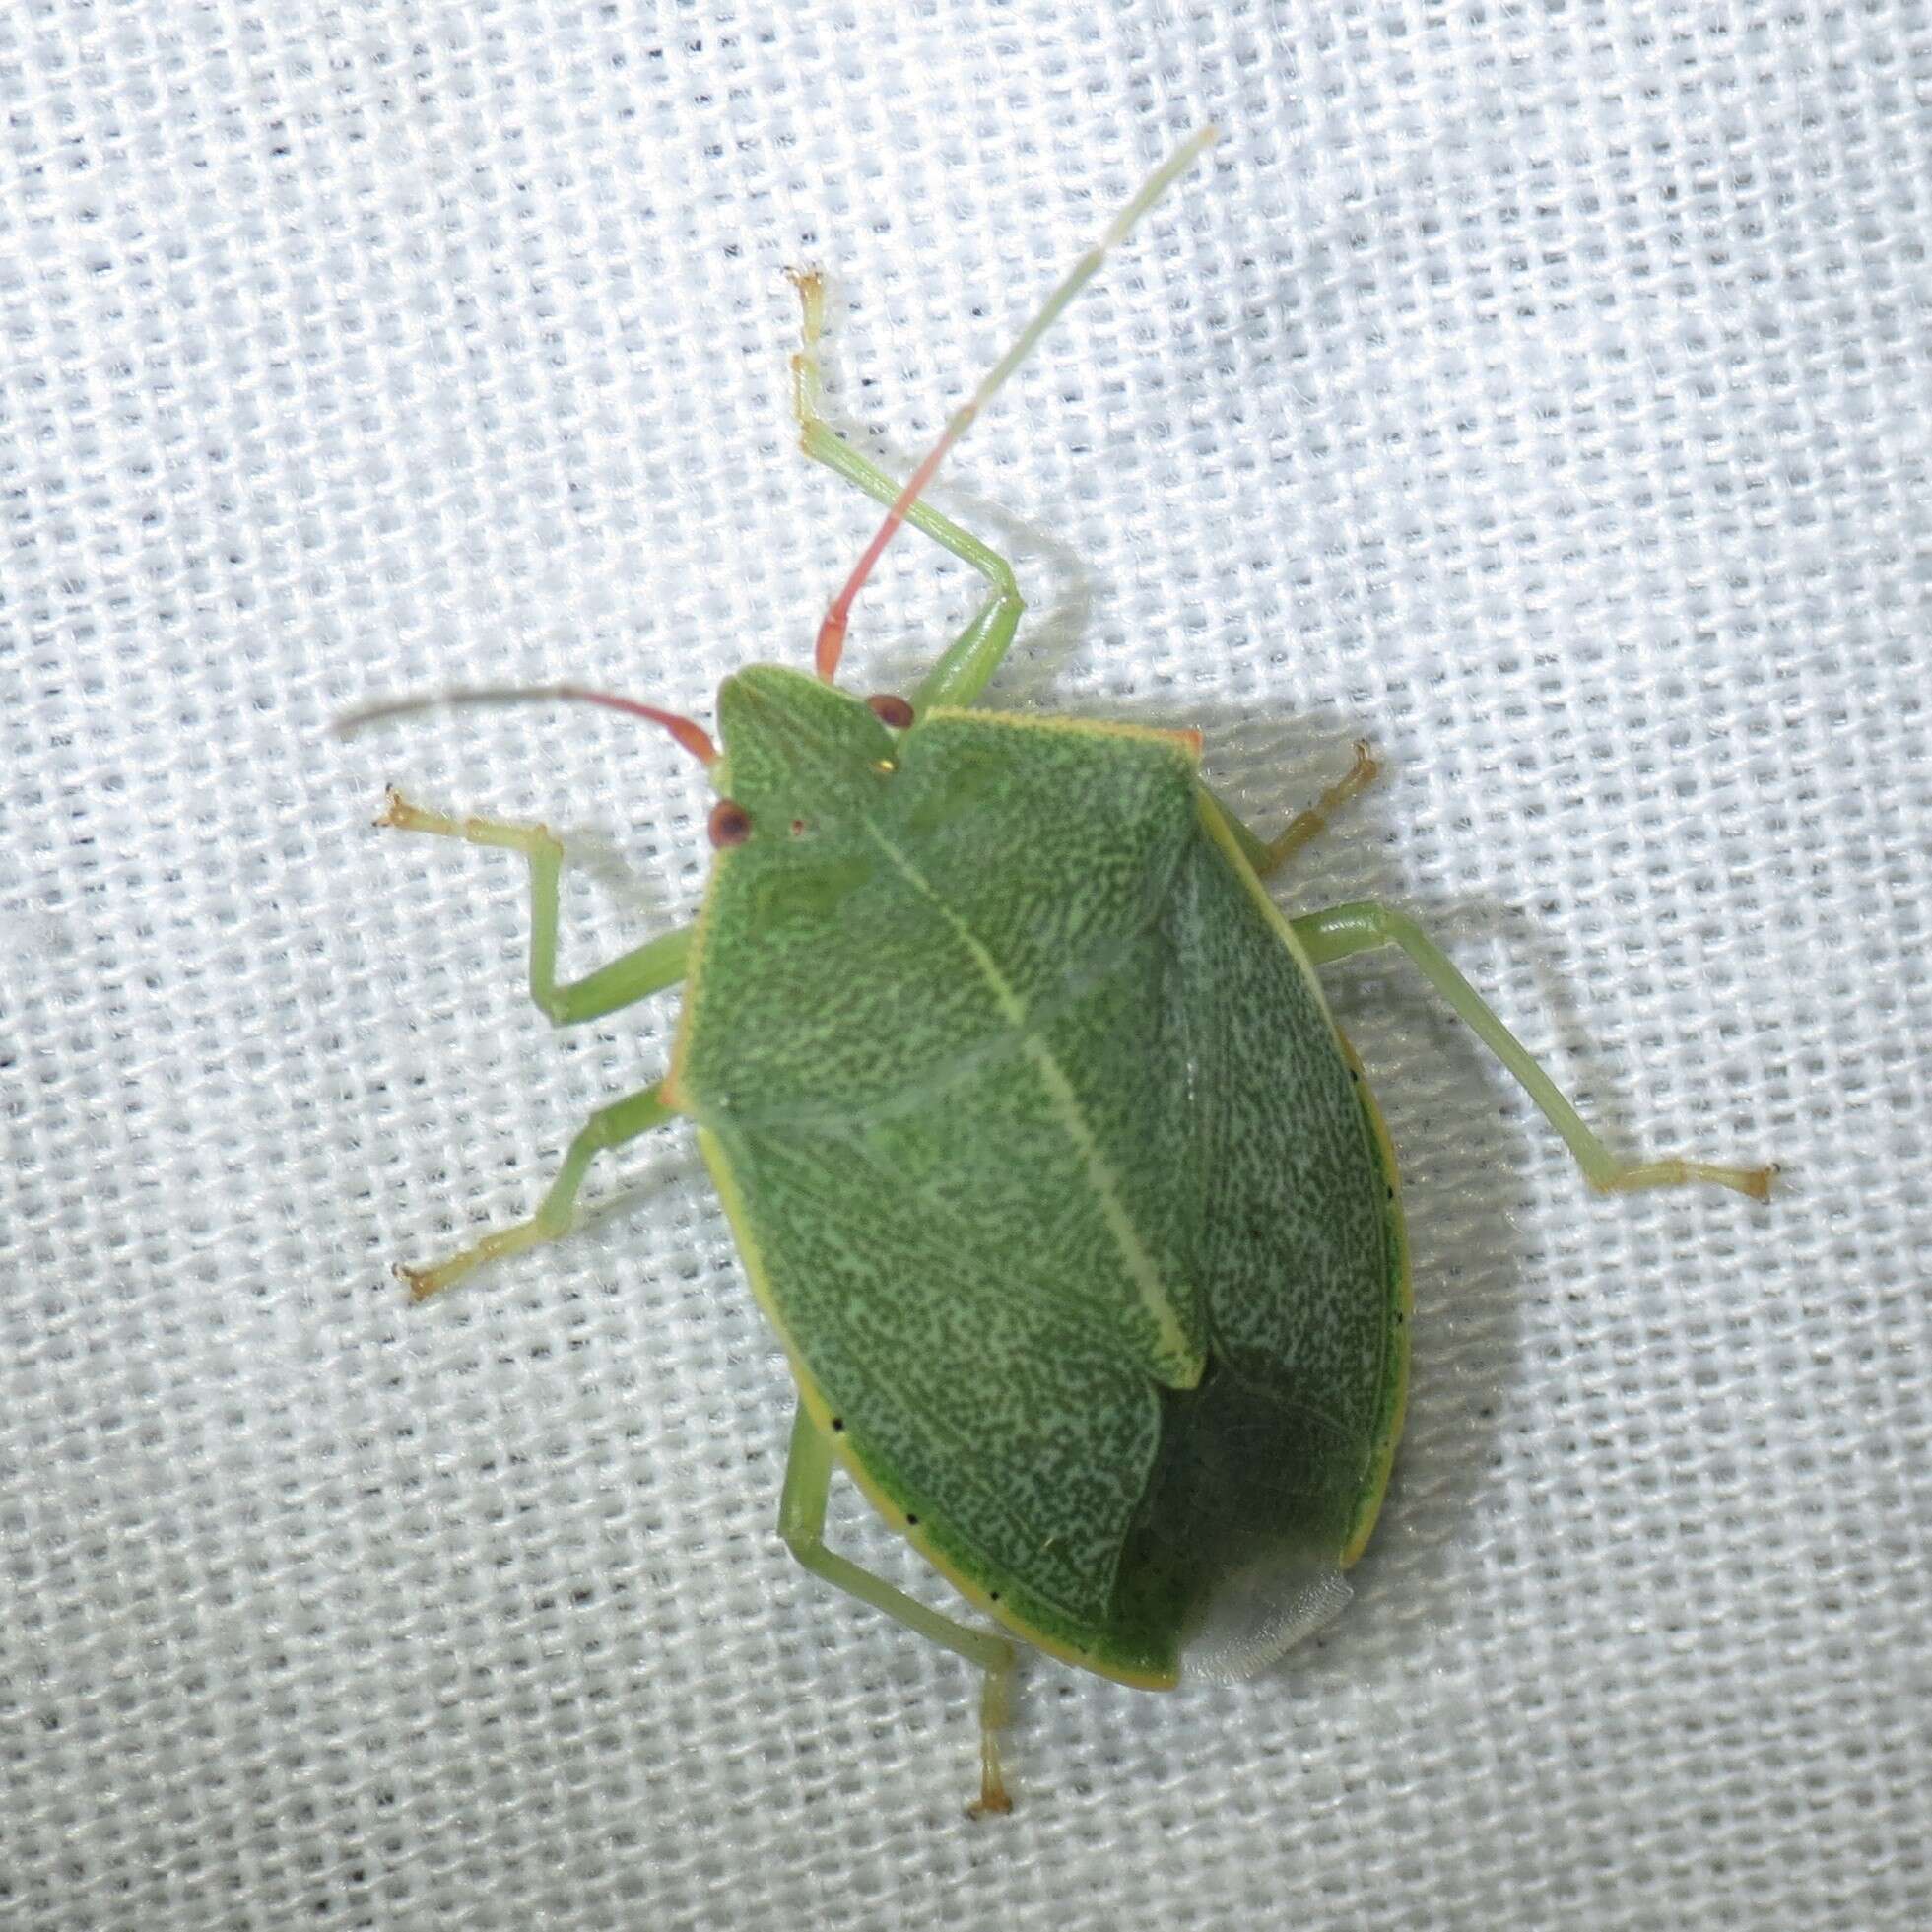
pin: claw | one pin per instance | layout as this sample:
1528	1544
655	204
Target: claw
400	815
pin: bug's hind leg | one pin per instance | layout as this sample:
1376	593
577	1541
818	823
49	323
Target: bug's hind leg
644	970
802	1522
608	1127
972	657
1341	931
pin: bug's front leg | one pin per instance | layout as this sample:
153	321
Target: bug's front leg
644	970
1267	854
802	1522
1342	930
972	657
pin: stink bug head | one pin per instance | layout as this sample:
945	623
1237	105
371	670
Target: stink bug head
798	755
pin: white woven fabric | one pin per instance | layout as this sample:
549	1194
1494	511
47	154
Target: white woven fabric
1543	393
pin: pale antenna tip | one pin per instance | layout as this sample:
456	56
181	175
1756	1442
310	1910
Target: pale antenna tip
691	736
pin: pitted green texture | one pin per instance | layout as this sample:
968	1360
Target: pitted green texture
957	993
1070	1042
1294	1224
1268	1465
806	921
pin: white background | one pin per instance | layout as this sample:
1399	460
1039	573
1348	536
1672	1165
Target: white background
1542	392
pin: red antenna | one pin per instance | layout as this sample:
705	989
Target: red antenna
832	633
693	737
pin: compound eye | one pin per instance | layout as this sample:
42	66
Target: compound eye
730	825
890	710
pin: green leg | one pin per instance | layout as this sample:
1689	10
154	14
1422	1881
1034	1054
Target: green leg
802	1522
1346	929
647	969
1266	854
972	657
608	1127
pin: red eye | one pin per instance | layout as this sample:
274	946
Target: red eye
731	824
889	711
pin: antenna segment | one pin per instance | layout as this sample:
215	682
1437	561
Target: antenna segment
693	737
832	632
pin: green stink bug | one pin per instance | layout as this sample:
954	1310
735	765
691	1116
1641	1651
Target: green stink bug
1065	1195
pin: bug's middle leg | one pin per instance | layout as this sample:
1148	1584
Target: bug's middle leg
611	1126
1342	930
633	975
802	1522
972	657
